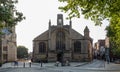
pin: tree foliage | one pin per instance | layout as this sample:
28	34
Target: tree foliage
113	31
9	16
22	52
97	11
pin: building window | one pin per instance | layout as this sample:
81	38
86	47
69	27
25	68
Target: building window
5	48
42	47
60	41
77	46
5	56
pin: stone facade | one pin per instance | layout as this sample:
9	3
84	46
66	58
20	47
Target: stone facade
61	42
107	44
8	47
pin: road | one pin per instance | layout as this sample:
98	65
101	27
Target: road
95	66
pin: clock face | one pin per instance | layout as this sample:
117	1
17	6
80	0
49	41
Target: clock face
60	20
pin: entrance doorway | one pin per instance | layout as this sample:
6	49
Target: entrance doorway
59	56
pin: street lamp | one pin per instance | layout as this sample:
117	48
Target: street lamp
62	62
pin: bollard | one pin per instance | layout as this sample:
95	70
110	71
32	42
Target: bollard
41	63
30	64
17	64
24	65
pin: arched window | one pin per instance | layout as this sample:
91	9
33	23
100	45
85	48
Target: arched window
42	47
77	46
60	40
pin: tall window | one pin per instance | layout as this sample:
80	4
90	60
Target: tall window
5	48
60	40
5	56
77	46
42	47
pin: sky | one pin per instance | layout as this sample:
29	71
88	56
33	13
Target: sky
39	12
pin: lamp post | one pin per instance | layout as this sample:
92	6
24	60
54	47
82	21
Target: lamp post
62	62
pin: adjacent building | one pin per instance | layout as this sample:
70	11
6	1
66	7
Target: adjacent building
8	47
99	48
107	43
62	42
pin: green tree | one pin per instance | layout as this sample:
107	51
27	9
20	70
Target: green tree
9	16
22	52
114	34
97	11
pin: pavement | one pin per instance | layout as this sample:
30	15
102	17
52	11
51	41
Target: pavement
37	65
103	66
94	66
112	66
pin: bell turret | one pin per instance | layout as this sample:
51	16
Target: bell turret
49	23
86	32
60	20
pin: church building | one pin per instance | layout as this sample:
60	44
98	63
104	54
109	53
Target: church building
61	42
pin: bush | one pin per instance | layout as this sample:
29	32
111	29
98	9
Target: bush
116	52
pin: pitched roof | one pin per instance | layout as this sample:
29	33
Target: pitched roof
76	35
43	36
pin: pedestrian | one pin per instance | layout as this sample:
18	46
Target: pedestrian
24	64
41	63
30	64
15	63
